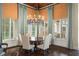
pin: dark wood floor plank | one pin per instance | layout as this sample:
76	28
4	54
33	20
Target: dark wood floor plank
52	51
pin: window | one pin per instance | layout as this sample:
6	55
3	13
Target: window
57	26
60	28
33	29
7	29
25	27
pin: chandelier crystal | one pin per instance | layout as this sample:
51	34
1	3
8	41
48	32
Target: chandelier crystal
35	19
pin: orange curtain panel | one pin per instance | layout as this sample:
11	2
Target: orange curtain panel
10	10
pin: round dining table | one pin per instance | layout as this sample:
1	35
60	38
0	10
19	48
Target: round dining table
36	41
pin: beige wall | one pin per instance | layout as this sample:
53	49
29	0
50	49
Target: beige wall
75	26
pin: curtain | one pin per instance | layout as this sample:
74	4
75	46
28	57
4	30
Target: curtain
0	23
22	19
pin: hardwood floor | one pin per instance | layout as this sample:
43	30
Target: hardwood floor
52	51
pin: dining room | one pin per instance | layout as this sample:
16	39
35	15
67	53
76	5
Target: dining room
39	29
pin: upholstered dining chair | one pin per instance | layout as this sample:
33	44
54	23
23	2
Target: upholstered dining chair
46	42
19	39
26	42
3	47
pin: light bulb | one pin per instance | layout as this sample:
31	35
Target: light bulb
42	17
39	16
27	17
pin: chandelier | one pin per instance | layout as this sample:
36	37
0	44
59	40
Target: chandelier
35	19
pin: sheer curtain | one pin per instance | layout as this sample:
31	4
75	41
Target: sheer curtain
22	21
0	23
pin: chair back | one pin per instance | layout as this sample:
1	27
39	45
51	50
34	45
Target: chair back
47	41
25	42
20	39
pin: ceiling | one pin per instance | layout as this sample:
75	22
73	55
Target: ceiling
38	5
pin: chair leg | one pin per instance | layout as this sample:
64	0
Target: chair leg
45	52
32	50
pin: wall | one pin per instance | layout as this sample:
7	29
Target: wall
44	12
60	11
74	28
10	10
31	12
75	25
